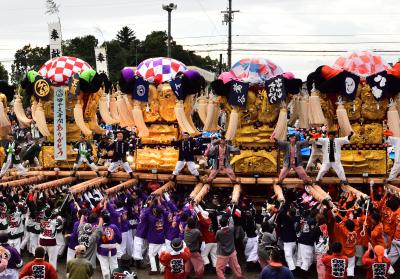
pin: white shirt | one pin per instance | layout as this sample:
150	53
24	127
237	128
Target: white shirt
338	142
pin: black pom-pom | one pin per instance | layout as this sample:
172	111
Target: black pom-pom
192	84
93	86
7	90
126	86
220	88
293	85
106	82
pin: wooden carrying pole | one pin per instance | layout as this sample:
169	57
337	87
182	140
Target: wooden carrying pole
127	184
24	181
165	188
55	183
81	187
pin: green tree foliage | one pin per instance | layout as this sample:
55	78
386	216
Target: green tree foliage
126	37
81	47
28	58
3	73
125	50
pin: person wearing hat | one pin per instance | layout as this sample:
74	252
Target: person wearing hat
186	148
331	149
120	150
221	152
14	261
79	267
85	155
38	268
175	260
376	262
123	271
292	157
12	152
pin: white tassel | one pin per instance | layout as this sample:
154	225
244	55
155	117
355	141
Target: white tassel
80	122
316	116
41	120
188	107
124	113
303	114
202	108
33	110
182	121
295	111
233	124
114	109
210	116
4	121
280	131
393	119
343	119
104	112
20	112
94	126
129	106
139	120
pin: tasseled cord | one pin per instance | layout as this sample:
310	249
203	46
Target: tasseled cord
343	119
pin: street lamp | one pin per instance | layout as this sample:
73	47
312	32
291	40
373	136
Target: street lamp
169	8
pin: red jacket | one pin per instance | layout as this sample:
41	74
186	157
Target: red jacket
205	228
175	264
374	267
39	268
335	266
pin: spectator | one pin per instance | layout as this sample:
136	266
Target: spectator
336	263
175	260
124	271
193	242
79	268
275	269
226	250
14	261
38	268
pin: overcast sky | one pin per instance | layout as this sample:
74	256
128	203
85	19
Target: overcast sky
338	25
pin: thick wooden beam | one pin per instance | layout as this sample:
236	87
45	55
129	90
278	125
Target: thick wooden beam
24	181
55	183
127	184
81	187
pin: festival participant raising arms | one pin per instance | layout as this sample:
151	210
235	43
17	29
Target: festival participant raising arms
12	150
85	155
292	157
331	148
120	149
186	148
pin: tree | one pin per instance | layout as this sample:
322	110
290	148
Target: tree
81	47
3	73
126	37
116	58
28	58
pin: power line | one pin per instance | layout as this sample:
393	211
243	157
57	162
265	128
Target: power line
290	35
293	43
294	50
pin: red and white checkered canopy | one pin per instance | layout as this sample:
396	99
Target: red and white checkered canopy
362	63
60	69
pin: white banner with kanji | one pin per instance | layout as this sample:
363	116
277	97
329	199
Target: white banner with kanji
60	125
55	39
101	60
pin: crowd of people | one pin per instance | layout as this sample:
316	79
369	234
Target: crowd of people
173	235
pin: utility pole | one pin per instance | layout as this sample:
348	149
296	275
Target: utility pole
169	8
228	18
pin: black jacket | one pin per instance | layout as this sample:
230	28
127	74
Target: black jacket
186	149
120	148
